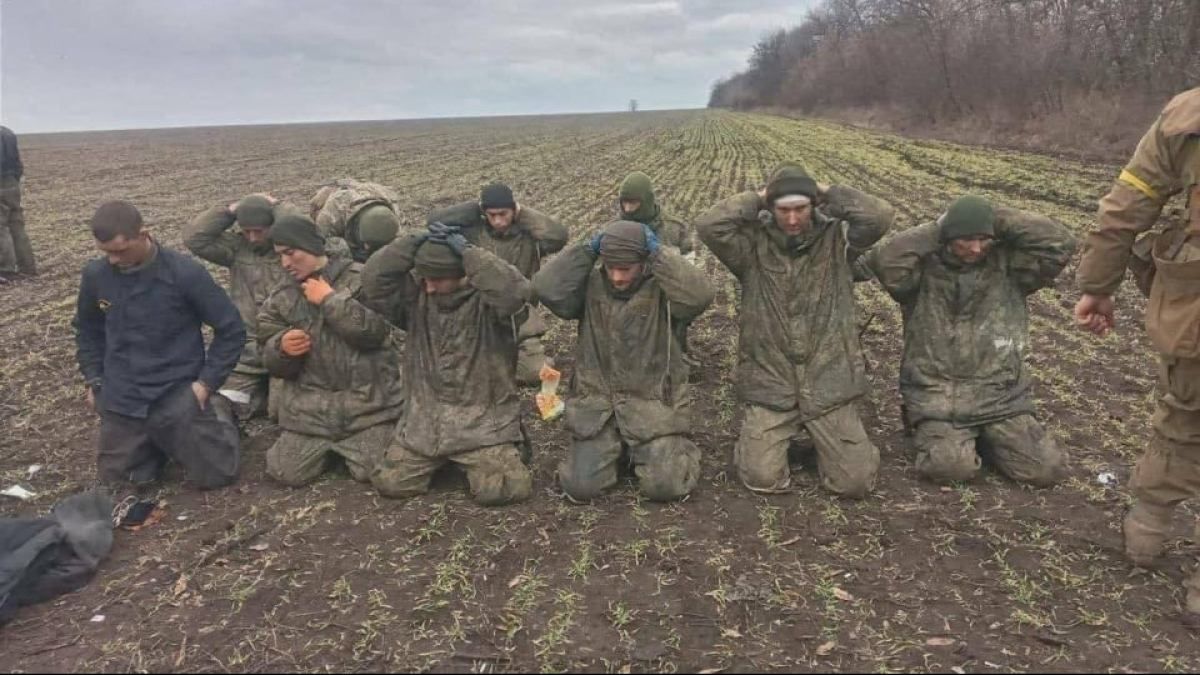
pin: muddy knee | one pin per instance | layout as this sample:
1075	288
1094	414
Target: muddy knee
503	488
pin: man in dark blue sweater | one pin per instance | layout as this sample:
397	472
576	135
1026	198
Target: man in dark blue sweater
140	348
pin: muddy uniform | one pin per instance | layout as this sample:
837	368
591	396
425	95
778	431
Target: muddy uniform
140	348
630	389
16	252
336	208
1166	163
254	270
344	396
966	333
532	236
800	364
459	364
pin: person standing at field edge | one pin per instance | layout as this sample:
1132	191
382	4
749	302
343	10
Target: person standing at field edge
140	348
630	397
338	368
16	252
962	282
1166	162
800	365
460	306
520	236
254	271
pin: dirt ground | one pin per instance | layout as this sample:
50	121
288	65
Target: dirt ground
980	577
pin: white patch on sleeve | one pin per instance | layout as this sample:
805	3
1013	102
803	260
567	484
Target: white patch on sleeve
1003	343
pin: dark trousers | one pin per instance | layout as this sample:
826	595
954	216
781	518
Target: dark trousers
205	442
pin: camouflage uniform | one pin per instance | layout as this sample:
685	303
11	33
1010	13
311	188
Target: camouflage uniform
344	396
459	363
1166	163
630	387
254	271
16	252
800	364
335	206
966	333
532	236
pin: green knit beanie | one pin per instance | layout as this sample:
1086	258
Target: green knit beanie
637	186
436	260
255	211
298	231
377	226
968	216
790	179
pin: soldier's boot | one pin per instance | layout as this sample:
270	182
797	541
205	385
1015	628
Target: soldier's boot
1147	526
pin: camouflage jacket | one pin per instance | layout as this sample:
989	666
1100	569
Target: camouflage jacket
670	230
533	235
334	206
628	359
966	327
350	380
798	345
253	272
461	356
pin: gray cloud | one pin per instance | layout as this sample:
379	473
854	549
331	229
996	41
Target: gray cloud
98	64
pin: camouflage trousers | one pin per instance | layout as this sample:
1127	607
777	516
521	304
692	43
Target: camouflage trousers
1169	472
298	459
496	474
847	460
531	353
666	468
205	442
16	252
247	393
1018	447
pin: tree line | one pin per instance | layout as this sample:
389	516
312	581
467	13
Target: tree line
941	60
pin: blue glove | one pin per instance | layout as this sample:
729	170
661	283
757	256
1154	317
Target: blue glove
457	242
594	245
652	242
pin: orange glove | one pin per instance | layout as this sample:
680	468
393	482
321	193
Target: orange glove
295	342
316	289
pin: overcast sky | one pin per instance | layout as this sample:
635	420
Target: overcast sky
109	64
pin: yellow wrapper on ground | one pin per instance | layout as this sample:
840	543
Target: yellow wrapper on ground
548	402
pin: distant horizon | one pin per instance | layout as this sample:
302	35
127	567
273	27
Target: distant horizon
350	121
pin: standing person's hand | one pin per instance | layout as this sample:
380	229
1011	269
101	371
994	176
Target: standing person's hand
295	342
316	290
1095	313
201	391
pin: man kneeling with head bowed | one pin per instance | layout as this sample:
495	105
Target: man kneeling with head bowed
630	393
461	307
341	391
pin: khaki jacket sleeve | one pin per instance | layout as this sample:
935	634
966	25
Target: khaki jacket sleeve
388	286
360	327
1040	247
502	286
726	230
686	286
561	286
208	236
897	262
272	324
551	236
1131	207
867	217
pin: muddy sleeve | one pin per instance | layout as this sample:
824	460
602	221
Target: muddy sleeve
726	229
867	217
549	234
561	286
686	286
898	261
388	286
208	236
360	327
272	324
502	286
1040	247
1131	207
90	334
